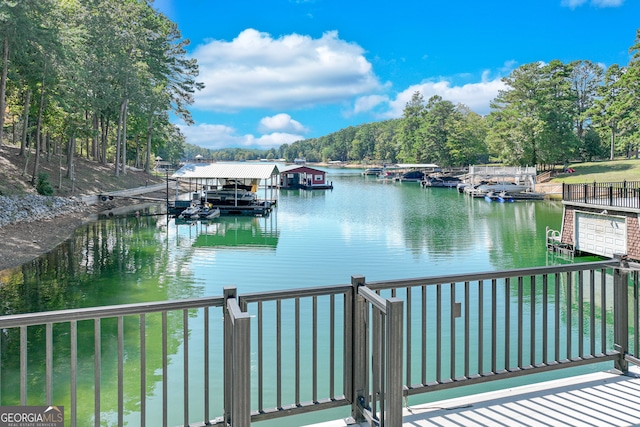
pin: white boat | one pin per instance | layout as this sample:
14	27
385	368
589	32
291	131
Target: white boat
192	212
230	196
499	187
209	213
441	181
372	171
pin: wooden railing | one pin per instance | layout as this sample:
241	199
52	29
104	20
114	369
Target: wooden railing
363	345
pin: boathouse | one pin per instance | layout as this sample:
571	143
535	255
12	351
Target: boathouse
600	219
233	187
305	177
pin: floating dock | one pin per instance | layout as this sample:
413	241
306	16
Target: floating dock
261	208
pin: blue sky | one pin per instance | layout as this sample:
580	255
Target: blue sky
277	71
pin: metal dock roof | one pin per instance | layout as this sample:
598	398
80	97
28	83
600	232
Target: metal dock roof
238	170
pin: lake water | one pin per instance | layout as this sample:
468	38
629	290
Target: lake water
381	230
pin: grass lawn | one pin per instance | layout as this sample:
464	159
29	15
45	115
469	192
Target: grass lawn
608	171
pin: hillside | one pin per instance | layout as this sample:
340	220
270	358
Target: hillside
90	177
605	171
23	241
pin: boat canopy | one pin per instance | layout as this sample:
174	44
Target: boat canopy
238	170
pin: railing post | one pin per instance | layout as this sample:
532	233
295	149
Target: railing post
610	194
359	346
237	362
227	361
394	362
241	352
621	312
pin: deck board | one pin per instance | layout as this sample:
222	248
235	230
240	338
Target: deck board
598	399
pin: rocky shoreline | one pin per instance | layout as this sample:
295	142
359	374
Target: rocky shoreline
32	225
34	207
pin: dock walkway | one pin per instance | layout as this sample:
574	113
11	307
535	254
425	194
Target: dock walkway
598	399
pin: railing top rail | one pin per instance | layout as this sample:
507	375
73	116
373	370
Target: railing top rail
375	299
235	311
489	275
29	319
626	184
295	293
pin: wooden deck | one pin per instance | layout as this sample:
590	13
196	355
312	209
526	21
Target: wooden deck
598	399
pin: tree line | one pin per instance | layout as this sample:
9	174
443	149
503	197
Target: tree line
547	114
100	78
93	78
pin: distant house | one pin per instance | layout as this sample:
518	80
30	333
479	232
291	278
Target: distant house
305	177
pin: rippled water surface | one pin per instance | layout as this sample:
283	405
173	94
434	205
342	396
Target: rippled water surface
381	230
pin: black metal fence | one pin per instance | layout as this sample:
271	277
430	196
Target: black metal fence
625	194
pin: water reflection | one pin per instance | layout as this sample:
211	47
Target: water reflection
382	230
230	232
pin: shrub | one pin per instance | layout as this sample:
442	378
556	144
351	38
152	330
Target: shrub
43	187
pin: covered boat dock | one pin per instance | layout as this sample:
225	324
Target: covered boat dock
232	187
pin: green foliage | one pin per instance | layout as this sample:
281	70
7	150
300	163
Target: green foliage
43	187
80	61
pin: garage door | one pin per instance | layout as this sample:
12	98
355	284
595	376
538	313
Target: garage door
601	234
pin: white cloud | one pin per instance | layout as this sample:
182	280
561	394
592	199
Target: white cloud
607	3
275	140
368	103
281	122
572	4
476	96
220	136
255	70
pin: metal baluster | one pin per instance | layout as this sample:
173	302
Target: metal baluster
314	344
592	312
603	309
120	370
580	314
23	365
557	317
97	368
532	338
409	336
480	327
520	322
297	350
507	322
569	317
332	342
545	319
73	336
279	353
185	364
143	372
165	376
260	358
49	363
207	375
494	326
452	327
423	344
438	333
